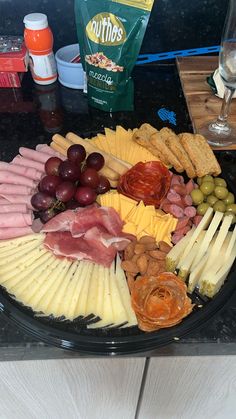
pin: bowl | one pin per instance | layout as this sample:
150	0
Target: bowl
69	74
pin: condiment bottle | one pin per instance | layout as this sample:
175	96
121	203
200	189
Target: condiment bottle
39	41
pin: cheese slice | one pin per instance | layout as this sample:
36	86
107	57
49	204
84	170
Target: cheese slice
201	226
208	236
124	293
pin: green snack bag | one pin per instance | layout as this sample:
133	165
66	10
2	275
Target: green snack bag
110	34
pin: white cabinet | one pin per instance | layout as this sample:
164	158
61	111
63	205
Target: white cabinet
190	387
70	388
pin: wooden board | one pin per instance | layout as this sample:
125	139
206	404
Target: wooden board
203	105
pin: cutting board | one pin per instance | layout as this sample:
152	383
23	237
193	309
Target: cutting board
203	105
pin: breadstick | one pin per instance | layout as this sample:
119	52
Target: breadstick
57	147
115	164
61	141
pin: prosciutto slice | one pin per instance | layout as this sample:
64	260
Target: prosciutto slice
93	233
79	221
63	244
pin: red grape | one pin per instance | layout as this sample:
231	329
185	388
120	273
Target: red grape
46	215
69	171
103	186
95	161
42	201
49	184
89	177
76	153
85	195
65	191
72	204
52	166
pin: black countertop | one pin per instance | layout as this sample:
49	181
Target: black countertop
32	114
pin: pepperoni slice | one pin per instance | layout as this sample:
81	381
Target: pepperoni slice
149	182
160	301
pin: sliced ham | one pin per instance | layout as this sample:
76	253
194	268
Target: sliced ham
44	148
31	154
11	232
63	244
18	199
22	161
15	189
29	172
13	178
15	219
3	201
5	208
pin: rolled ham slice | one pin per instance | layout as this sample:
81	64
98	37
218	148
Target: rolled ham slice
21	161
38	156
11	232
5	208
18	199
15	219
14	179
44	148
29	172
15	189
3	201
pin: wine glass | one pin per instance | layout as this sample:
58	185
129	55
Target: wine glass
220	132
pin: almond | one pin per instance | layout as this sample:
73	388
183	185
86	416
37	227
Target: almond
157	254
153	268
150	246
130	266
142	263
129	251
139	249
147	239
164	247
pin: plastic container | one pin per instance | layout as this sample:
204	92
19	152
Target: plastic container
39	41
70	74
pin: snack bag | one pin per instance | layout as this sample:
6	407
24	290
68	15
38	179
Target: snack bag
110	34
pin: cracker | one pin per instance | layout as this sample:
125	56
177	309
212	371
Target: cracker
172	141
158	142
142	137
143	134
201	154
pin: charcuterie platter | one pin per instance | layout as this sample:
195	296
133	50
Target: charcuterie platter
117	243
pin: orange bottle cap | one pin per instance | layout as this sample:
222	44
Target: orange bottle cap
35	21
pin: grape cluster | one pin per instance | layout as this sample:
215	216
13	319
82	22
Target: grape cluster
70	183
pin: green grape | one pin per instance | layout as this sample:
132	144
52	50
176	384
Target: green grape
211	199
219	206
199	181
220	182
229	199
221	192
202	208
207	178
232	214
207	188
231	208
197	196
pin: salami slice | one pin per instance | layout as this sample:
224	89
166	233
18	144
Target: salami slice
148	182
160	301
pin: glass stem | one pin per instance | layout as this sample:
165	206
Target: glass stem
223	117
